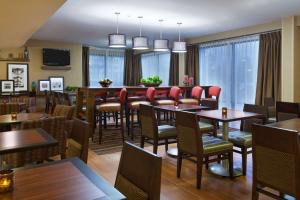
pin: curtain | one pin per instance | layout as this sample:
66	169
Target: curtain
156	64
192	63
106	63
132	68
232	65
85	66
269	67
174	69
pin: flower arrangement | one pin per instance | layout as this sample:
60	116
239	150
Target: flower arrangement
188	81
151	81
105	82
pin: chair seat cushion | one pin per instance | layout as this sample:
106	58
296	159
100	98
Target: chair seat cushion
205	126
73	148
136	104
189	101
109	107
240	138
165	102
167	131
214	145
130	190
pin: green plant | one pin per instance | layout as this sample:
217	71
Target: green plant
71	88
105	81
151	80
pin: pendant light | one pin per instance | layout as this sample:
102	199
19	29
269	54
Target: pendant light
179	46
116	40
161	44
140	42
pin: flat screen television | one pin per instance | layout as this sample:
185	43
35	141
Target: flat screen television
56	57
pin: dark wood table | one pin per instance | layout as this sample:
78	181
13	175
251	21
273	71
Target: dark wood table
292	124
22	140
64	179
173	151
6	119
232	115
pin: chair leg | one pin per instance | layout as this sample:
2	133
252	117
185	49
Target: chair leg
255	194
155	145
105	120
142	141
230	159
244	160
179	163
131	123
199	171
122	124
206	162
100	127
116	119
166	144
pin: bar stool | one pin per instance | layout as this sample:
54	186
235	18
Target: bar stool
213	95
113	107
134	106
173	98
195	96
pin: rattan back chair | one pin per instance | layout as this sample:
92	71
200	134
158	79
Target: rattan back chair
144	183
190	142
287	110
276	161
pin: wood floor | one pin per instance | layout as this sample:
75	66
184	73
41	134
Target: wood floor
213	187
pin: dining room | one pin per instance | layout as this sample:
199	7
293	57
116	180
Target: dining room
149	100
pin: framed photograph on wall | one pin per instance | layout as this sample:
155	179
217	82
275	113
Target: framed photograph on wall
44	85
56	83
18	72
7	86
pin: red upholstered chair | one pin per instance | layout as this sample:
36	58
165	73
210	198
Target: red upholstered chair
134	106
172	98
113	107
213	95
195	96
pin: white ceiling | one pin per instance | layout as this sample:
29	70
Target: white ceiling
89	21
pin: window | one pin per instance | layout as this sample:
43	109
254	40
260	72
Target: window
156	64
232	65
106	63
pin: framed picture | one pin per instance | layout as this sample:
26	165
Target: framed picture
44	85
18	72
56	83
7	86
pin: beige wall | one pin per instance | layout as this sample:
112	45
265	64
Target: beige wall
72	77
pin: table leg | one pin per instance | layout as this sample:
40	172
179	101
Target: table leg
222	169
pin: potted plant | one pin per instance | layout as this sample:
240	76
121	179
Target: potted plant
105	82
152	81
71	88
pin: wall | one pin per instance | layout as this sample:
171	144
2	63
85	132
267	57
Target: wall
71	77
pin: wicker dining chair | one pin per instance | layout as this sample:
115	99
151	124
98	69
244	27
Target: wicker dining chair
242	139
287	110
152	133
276	162
78	140
191	143
141	184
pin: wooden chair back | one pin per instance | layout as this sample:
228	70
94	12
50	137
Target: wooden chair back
287	110
139	173
80	133
189	139
246	124
148	122
276	159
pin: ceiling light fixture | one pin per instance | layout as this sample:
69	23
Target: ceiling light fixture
140	42
116	40
179	46
161	44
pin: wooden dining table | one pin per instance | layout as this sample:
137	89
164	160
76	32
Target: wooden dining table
64	179
222	169
23	140
291	124
7	121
